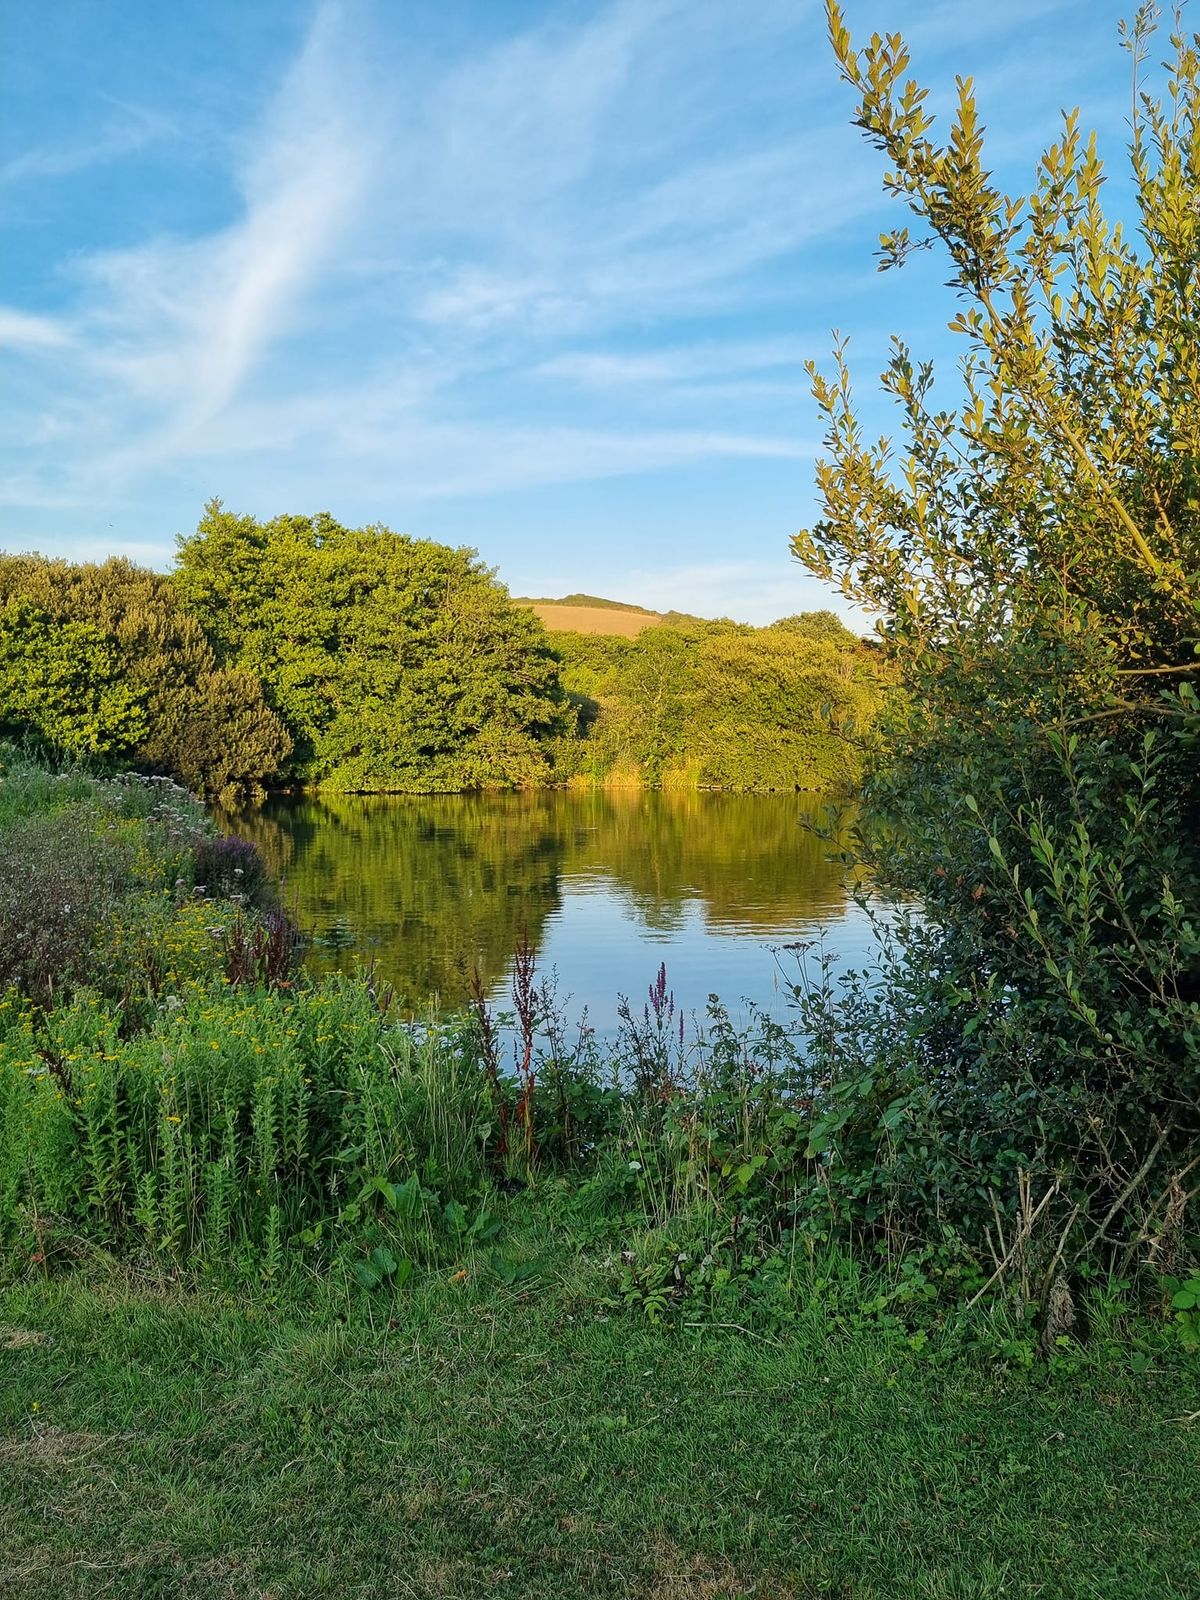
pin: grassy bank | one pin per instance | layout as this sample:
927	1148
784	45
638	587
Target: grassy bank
470	1438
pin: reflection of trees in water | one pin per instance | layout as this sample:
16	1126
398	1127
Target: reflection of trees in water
429	886
752	860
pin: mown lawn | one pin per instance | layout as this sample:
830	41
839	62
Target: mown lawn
161	1443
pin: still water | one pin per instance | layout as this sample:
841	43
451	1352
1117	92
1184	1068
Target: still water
606	884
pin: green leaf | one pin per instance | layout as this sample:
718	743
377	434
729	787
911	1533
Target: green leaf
383	1261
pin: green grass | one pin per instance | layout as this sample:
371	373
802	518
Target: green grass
468	1440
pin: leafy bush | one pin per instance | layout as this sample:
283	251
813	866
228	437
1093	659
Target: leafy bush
100	884
60	879
226	867
1029	1069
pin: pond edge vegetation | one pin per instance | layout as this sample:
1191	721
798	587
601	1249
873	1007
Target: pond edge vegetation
173	1090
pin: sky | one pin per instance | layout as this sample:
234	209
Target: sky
538	278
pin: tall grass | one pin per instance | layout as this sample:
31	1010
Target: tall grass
231	1125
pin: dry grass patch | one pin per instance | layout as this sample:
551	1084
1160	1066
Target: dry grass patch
707	1578
24	1339
52	1447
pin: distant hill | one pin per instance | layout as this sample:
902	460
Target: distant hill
590	613
595	601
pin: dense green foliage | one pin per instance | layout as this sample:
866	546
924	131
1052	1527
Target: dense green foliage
102	661
355	659
720	705
1030	1072
169	1088
120	887
397	663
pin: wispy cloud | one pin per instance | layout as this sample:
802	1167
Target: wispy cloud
480	187
605	369
184	323
446	264
127	130
21	330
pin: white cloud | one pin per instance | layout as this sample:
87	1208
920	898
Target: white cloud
551	259
21	330
170	330
536	189
746	591
602	369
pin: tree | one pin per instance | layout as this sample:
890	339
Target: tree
722	705
64	680
100	660
396	663
1033	557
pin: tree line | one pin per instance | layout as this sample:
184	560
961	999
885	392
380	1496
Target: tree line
300	652
720	705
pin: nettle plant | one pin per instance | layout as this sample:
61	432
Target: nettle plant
1033	554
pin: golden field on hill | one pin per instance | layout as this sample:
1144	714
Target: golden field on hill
593	619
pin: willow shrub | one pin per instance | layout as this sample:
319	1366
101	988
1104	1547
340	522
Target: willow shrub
1031	1065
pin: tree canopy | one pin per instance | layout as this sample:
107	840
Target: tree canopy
722	704
396	663
101	660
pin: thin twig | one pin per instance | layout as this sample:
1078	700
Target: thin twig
1127	1190
1023	1233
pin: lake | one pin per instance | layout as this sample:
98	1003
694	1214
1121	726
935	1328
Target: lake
607	884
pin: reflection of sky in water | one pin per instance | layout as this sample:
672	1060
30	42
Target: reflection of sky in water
600	948
608	886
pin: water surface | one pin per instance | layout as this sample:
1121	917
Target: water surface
607	884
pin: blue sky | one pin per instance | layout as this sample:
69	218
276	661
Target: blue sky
538	278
